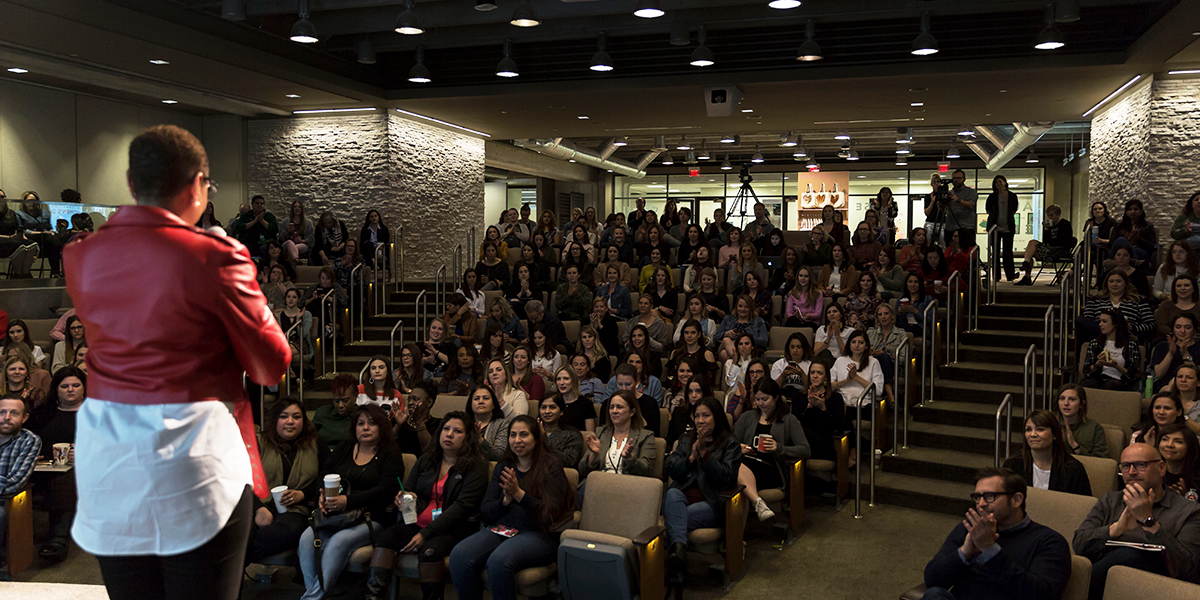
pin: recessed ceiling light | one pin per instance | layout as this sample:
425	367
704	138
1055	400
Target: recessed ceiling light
917	104
582	117
747	110
18	70
1185	72
159	61
170	102
293	95
1003	91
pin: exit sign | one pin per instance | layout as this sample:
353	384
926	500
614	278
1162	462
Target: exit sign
943	167
693	172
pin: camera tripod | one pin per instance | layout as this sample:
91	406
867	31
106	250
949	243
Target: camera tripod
742	199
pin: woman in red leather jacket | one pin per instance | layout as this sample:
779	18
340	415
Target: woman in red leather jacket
165	447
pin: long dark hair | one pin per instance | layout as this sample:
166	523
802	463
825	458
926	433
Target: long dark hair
920	288
721	429
69	340
379	418
1148	418
1120	328
497	412
270	431
866	357
941	269
1187	205
1058	448
467	458
453	370
25	328
389	384
1191	457
769	387
556	496
1141	222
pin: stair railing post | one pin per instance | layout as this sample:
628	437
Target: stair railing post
398	263
874	426
929	331
903	350
379	278
1064	312
858	450
420	320
1047	355
1007	403
332	311
439	282
300	347
994	260
973	290
357	303
392	341
1028	380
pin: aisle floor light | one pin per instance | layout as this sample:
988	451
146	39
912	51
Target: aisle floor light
925	44
810	50
507	66
601	61
702	56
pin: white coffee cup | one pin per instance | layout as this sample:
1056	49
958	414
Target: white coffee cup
937	282
277	494
333	485
62	452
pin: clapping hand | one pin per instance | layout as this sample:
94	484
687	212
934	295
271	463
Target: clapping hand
981	533
593	443
508	483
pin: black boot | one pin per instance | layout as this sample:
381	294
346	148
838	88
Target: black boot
379	578
677	560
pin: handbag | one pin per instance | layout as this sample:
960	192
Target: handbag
325	526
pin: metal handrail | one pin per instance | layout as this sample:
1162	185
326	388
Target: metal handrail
1029	381
398	264
928	359
300	346
379	280
392	341
1047	354
333	335
901	394
421	317
472	245
1007	429
1064	312
953	304
973	291
993	234
869	391
458	265
359	302
1083	285
439	282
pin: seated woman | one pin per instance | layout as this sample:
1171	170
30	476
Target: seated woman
464	325
538	264
822	413
590	383
703	464
910	256
470	291
958	252
371	468
1178	261
520	291
523	376
861	302
494	346
513	400
502	314
744	319
641	342
804	302
694	269
912	304
275	257
622	445
547	360
526	500
564	440
865	247
736	365
834	336
752	285
790	373
1180	347
1184	387
492	235
64	351
330	242
740	398
727	254
1164	410
573	299
1057	241
612	259
301	340
578	410
380	389
770	437
1118	293
888	273
818	252
292	456
663	294
1123	259
1083	436
680	408
614	293
1045	461
492	267
643	381
18	333
591	344
747	262
656	328
717	302
838	275
490	421
856	370
464	374
1181	451
54	423
17	382
326	283
603	326
575	256
935	273
695	309
1112	358
1185	297
579	239
410	370
784	277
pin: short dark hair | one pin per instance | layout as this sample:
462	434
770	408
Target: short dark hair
25	407
163	160
1012	482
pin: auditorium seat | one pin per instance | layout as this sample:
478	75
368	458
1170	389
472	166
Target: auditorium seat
1127	583
1059	511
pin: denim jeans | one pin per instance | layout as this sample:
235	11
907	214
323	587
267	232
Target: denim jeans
334	554
681	517
502	557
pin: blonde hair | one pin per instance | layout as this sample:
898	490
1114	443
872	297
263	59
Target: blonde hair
597	347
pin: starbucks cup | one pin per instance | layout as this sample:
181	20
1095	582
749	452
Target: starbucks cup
333	485
408	508
277	494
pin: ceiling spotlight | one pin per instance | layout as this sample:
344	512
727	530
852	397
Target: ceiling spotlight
233	10
952	152
291	95
810	50
842	135
366	52
648	9
731	139
853	154
703	151
783	4
725	165
812	163
303	31
683	143
419	72
904	135
507	66
903	149
667	160
901	161
485	5
966	130
601	61
799	152
1032	158
787	140
1050	37
408	23
621	141
702	56
925	44
525	16
1066	11
758	157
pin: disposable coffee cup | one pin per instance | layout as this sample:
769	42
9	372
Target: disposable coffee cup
937	282
408	508
760	441
277	494
333	485
904	301
62	452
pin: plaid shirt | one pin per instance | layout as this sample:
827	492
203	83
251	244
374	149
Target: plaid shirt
16	462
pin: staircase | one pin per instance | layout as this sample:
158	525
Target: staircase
954	434
351	358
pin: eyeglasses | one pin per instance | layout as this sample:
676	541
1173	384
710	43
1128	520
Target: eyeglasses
988	497
212	186
1139	465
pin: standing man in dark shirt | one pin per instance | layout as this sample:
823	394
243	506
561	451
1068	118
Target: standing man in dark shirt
638	216
1058	241
257	227
998	552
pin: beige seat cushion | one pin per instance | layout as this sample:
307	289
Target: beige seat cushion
710	535
820	466
1102	474
1127	583
772	496
535	575
361	556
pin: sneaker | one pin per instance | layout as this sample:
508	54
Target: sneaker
760	508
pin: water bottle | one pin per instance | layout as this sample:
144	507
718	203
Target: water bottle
1095	235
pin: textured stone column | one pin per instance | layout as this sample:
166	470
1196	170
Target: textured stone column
426	178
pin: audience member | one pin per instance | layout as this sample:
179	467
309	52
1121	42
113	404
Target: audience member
17	383
769	436
298	234
492	269
1045	461
523	376
837	275
1179	261
745	320
55	424
1118	293
612	260
577	410
1186	227
19	449
604	328
333	420
1099	229
912	255
692	344
935	273
819	250
865	248
18	333
254	228
656	329
1181	451
590	383
573	298
547	360
1164	409
464	374
512	398
623	444
1122	261
662	293
614	293
64	351
1113	358
1083	436
1185	297
1178	348
501	314
833	337
861	301
535	311
1136	232
380	388
784	277
740	398
564	440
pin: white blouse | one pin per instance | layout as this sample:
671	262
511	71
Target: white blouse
822	337
851	392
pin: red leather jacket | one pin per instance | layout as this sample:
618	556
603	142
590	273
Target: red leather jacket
173	313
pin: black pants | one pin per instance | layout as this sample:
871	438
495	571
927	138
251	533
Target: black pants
281	535
211	572
1006	256
434	550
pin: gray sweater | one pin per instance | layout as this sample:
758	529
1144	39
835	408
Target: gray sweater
791	445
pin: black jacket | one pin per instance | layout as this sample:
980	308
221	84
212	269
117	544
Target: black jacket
460	499
992	206
371	487
716	474
1070	476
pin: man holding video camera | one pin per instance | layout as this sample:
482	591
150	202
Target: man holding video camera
950	206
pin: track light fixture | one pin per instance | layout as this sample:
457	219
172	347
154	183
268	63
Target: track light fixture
366	52
667	160
812	163
601	61
485	5
621	141
408	23
925	44
419	72
726	165
507	66
853	154
903	149
525	16
953	151
966	131
842	135
729	139
703	155
683	143
702	56
904	135
1032	158
799	152
758	157
810	50
901	161
303	31
1050	37
788	140
648	9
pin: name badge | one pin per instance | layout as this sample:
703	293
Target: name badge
436	513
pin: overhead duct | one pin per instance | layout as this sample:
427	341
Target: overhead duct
564	149
1007	148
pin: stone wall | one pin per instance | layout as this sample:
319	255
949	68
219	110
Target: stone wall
1147	146
428	179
